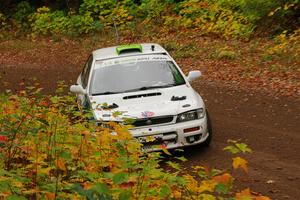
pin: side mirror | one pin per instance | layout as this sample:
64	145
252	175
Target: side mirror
77	89
193	75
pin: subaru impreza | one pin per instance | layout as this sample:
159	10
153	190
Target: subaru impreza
144	83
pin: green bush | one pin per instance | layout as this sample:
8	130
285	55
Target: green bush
108	11
3	22
209	17
277	15
21	16
45	22
151	9
286	46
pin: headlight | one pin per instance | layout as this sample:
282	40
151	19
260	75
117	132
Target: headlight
191	115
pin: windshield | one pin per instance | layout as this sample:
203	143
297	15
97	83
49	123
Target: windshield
134	74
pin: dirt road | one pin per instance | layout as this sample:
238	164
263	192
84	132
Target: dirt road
269	125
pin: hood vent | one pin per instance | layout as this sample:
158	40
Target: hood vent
142	95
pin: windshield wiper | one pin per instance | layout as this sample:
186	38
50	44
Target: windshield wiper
137	89
151	87
105	93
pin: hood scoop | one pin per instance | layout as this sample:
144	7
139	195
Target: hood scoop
142	95
176	98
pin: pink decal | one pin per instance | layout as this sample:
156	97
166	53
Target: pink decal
147	114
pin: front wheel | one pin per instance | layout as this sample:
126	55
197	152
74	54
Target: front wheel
207	142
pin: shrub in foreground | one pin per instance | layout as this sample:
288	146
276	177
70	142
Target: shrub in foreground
49	150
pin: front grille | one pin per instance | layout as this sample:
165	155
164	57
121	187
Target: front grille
153	121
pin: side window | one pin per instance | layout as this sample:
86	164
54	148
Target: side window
86	72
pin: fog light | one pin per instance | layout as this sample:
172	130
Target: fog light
187	130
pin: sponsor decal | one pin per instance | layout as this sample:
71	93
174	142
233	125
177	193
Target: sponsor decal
129	60
147	114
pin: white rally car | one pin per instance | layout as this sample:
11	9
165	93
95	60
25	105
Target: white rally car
143	82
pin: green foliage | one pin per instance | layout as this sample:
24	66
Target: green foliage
151	10
46	22
108	11
21	16
97	8
225	18
236	147
3	22
50	150
286	45
211	17
253	10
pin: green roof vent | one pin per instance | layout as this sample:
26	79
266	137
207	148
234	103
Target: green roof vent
129	48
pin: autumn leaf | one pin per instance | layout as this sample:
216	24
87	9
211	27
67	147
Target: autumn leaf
87	185
18	184
239	162
192	184
85	132
174	165
165	150
243	147
247	195
177	194
61	164
207	197
207	186
127	185
3	139
50	196
232	149
244	195
45	170
224	178
44	103
117	113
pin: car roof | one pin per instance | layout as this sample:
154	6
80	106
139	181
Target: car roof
111	52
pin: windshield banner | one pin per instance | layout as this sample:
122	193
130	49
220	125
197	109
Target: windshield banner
130	60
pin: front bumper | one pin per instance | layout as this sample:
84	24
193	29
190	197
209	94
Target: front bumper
172	136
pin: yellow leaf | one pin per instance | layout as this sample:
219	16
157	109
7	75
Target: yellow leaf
165	150
239	162
50	196
45	170
61	164
207	197
177	194
207	186
18	184
192	184
244	195
271	14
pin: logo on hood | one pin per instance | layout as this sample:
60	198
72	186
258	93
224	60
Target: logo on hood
147	114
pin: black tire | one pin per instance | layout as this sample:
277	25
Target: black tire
208	140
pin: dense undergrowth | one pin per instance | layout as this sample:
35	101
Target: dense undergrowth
225	18
49	150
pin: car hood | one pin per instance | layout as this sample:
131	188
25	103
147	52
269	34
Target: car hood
145	104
